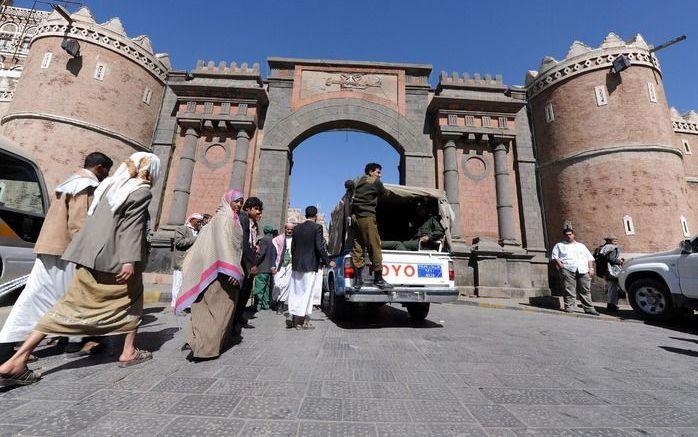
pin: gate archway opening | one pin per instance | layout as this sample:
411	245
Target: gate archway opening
321	163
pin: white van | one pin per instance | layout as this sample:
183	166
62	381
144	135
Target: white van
23	206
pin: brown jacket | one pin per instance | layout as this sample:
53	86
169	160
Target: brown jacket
183	240
64	219
108	240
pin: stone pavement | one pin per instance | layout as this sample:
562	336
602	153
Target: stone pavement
468	371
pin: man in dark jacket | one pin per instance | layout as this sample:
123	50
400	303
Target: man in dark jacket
367	188
265	263
307	249
249	217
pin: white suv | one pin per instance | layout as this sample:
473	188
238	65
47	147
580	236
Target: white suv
660	285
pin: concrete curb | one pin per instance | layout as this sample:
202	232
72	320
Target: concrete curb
521	307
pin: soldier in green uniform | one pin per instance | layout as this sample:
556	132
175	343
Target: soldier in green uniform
426	230
367	188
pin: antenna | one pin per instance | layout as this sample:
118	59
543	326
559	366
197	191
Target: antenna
668	43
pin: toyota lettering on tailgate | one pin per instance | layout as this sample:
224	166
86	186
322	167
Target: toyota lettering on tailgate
409	270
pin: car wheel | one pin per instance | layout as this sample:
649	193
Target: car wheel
417	311
651	299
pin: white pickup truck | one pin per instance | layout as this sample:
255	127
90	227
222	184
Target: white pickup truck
419	277
661	284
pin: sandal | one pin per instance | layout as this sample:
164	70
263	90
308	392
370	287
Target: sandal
26	377
140	357
32	358
89	348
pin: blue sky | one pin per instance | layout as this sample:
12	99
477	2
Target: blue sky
505	36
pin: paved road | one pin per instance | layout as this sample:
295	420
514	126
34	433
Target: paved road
467	371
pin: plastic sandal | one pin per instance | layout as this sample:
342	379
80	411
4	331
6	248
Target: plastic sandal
141	356
26	377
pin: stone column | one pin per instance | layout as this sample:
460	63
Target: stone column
505	209
242	146
182	189
451	184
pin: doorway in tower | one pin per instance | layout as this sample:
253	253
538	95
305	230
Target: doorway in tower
323	162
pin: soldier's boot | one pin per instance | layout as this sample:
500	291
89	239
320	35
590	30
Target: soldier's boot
358	280
379	282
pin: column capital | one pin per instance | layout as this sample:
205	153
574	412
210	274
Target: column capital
448	142
190	125
242	133
498	140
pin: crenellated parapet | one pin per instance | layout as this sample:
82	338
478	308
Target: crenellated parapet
223	68
684	123
581	59
110	35
476	81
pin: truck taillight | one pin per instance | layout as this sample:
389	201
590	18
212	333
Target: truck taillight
451	272
348	270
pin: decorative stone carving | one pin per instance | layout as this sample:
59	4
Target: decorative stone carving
354	81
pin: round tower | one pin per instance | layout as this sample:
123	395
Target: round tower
104	96
606	153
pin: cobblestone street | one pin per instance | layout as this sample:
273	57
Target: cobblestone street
467	371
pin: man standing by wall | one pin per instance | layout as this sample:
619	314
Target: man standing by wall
608	265
249	217
282	275
307	249
367	188
576	266
50	277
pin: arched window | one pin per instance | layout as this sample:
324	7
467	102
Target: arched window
9	28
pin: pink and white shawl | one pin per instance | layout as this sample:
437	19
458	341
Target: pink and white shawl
218	249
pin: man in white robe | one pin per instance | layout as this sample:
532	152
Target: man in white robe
282	274
51	276
307	250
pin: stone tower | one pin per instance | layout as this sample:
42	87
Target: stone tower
106	99
606	151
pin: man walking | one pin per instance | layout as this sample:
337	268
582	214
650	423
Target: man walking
576	266
307	249
367	188
265	264
50	277
608	265
249	217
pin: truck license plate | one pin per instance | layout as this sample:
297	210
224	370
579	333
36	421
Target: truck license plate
428	270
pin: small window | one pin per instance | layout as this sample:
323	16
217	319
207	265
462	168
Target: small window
549	114
242	109
20	189
100	71
26	42
502	122
684	227
686	148
208	107
47	60
225	108
486	121
147	95
452	119
628	225
601	96
191	106
652	92
469	120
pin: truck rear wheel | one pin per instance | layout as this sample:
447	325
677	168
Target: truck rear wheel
651	299
417	311
335	306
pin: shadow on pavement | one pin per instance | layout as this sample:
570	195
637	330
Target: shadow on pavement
371	317
676	350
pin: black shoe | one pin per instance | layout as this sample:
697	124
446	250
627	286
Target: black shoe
592	311
611	308
185	347
379	282
358	280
